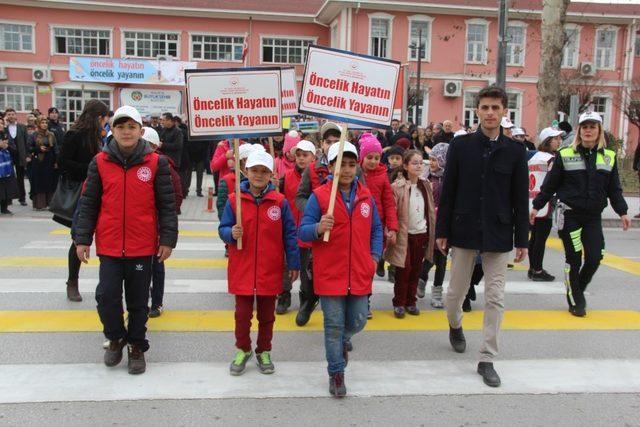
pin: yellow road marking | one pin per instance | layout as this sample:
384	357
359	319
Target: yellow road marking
223	321
610	260
94	262
182	233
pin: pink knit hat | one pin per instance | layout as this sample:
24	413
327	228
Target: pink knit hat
369	144
291	139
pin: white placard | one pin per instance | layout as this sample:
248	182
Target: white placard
289	92
151	102
349	87
234	103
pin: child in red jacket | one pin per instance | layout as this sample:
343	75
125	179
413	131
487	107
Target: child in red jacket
267	227
128	202
375	174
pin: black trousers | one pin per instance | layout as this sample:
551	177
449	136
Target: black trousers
440	262
135	273
20	174
74	263
581	234
537	240
306	276
157	289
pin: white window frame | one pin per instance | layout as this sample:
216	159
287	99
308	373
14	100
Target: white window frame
637	44
123	42
33	36
523	47
24	85
606	117
613	49
389	18
576	53
205	34
472	91
427	44
313	40
476	21
516	119
52	37
85	87
334	36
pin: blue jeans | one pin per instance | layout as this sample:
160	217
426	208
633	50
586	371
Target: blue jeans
344	316
157	289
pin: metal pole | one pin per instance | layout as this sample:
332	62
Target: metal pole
501	71
418	83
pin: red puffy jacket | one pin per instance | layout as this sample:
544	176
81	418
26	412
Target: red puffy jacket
317	174
257	268
344	265
378	183
292	180
219	160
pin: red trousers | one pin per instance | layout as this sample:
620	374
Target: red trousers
265	306
406	279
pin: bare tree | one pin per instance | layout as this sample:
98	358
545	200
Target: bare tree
574	83
553	39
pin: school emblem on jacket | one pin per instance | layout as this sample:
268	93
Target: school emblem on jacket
144	174
365	210
274	213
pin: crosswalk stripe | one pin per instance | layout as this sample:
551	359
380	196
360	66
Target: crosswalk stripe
223	321
610	260
212	286
182	233
181	246
95	382
49	262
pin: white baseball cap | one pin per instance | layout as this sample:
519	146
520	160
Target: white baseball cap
506	123
348	148
259	158
517	132
460	132
304	145
129	112
151	135
590	116
329	125
244	150
549	133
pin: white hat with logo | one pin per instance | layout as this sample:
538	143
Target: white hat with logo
506	123
517	132
348	148
327	126
549	133
590	116
460	132
151	135
259	158
128	112
244	150
304	145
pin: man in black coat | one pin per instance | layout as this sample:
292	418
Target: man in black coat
391	134
17	137
172	139
483	209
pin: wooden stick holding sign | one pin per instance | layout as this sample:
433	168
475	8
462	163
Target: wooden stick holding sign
336	175
236	156
272	151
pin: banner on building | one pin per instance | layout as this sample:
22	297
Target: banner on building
348	87
234	102
130	71
289	92
150	102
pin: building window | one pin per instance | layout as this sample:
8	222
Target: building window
415	25
515	45
380	31
513	105
285	51
605	48
600	105
75	41
571	47
637	50
415	113
469	113
334	36
143	44
20	98
477	42
216	48
16	37
70	102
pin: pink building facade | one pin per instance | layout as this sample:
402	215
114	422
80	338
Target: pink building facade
459	39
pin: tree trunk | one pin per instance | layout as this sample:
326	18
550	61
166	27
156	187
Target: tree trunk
553	40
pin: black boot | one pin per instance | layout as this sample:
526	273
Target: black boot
284	302
307	305
73	294
457	340
337	386
489	375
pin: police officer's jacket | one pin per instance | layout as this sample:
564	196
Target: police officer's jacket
583	179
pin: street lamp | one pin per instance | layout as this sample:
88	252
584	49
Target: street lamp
419	48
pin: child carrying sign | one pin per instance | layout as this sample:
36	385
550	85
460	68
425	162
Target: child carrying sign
267	228
343	267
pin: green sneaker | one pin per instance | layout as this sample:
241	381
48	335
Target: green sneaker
240	362
264	363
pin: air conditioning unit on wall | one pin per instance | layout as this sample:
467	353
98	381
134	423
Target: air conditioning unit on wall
452	88
587	69
42	75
